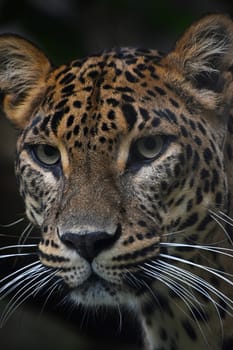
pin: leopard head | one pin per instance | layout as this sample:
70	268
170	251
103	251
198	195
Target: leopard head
121	155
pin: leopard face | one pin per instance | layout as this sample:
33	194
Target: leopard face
123	161
109	176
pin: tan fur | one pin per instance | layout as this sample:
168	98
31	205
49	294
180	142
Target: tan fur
23	72
195	53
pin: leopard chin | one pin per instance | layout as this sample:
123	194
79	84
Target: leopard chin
96	291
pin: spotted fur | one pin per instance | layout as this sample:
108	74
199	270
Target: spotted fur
124	160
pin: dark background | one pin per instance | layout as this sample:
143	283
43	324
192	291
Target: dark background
67	29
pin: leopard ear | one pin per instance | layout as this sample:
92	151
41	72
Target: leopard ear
23	72
203	53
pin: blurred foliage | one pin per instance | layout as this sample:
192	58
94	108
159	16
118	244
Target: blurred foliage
71	28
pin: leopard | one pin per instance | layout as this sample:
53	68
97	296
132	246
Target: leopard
124	160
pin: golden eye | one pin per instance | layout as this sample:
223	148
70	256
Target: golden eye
46	154
149	147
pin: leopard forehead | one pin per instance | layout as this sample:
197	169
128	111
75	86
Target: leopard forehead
103	97
94	109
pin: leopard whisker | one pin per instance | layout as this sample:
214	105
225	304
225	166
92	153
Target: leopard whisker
202	282
23	294
209	248
226	218
25	234
18	246
189	300
45	281
160	269
12	223
178	274
151	292
16	236
19	249
187	297
51	289
194	282
209	269
216	218
130	280
18	280
217	250
20	270
120	318
85	312
184	277
16	255
129	276
173	233
13	301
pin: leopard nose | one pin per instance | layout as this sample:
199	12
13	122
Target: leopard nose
90	244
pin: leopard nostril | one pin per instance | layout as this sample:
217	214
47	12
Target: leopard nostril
90	244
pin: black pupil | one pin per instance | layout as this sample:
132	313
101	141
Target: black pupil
149	143
49	151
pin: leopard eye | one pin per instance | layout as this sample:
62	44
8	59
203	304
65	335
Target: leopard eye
148	147
46	154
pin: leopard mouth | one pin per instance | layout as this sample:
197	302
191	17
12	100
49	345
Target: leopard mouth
93	280
95	291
